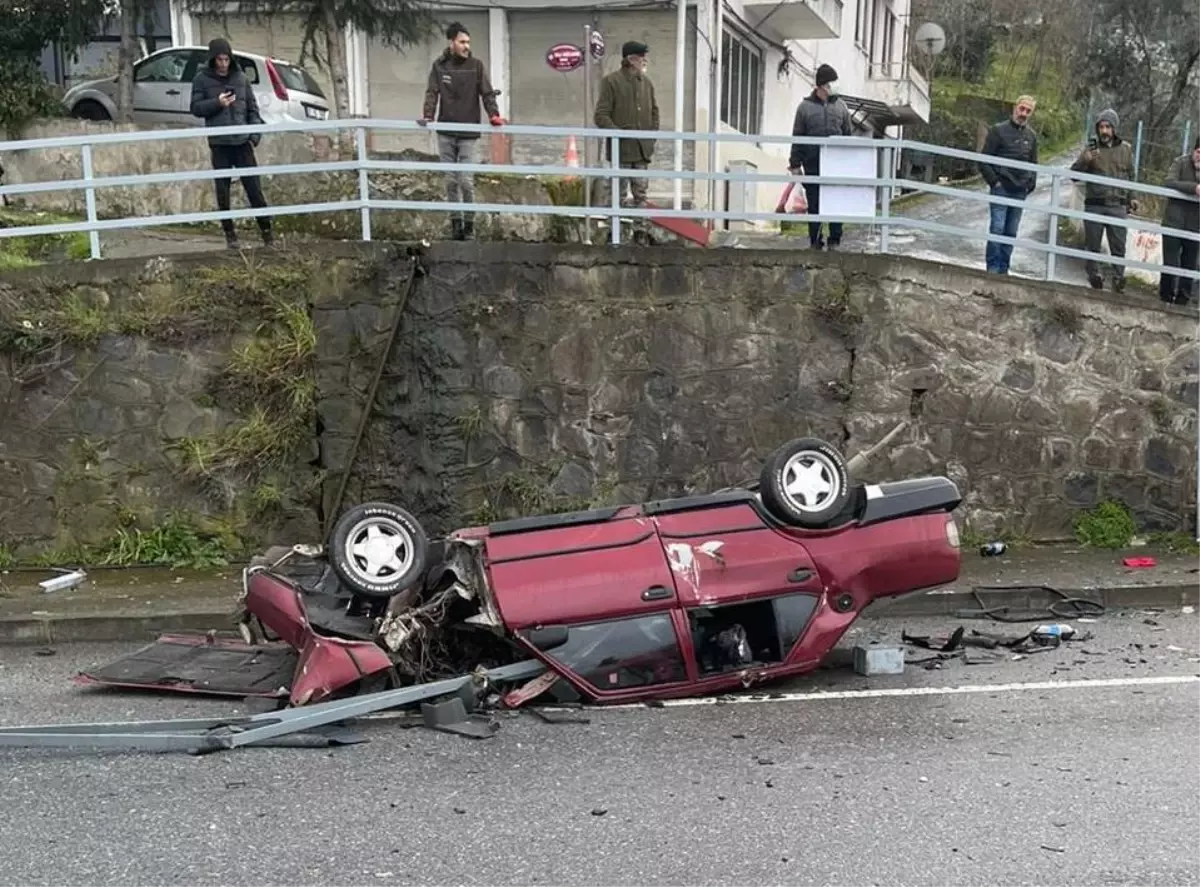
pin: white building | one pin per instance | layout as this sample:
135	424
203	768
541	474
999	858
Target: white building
764	63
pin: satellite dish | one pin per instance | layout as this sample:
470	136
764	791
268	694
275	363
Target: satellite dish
930	38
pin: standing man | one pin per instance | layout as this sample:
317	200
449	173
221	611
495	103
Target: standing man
223	96
1181	213
1111	156
458	82
627	101
1012	140
820	114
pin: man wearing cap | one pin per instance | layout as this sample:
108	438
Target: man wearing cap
1110	156
820	114
627	101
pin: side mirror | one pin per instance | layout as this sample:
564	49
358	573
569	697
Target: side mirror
548	637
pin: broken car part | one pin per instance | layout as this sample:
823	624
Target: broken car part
214	734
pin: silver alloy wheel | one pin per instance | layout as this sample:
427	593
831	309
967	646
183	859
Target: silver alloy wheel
378	549
810	481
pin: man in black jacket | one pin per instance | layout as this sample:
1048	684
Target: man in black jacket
458	82
223	96
819	114
1012	139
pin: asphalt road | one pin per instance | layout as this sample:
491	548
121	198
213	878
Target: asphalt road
1083	784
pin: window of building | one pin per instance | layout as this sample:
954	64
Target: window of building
862	19
742	84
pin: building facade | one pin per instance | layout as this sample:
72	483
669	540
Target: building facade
750	78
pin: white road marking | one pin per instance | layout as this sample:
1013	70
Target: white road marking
822	695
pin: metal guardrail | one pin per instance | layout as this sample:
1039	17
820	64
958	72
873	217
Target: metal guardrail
363	165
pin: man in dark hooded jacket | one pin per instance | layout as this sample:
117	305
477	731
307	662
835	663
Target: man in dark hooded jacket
1110	156
819	114
1183	214
223	96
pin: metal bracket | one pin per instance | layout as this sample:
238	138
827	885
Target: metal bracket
200	736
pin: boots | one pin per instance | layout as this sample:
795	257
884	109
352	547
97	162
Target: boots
231	239
468	229
268	236
456	229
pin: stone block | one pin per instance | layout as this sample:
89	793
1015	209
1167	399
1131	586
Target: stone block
871	661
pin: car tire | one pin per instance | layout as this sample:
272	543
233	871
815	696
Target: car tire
367	566
815	499
90	110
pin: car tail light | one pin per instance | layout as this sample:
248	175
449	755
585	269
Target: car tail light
281	92
952	532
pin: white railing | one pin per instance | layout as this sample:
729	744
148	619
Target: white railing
363	165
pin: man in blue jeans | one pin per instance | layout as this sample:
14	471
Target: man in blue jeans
1012	139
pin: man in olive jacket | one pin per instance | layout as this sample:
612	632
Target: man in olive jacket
1110	156
223	96
627	101
1183	214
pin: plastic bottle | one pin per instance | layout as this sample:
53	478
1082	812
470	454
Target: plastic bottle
1053	634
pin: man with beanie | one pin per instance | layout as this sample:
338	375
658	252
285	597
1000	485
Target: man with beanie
627	101
820	114
1012	139
1183	214
1110	156
458	82
223	96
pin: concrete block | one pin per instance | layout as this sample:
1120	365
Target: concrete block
878	660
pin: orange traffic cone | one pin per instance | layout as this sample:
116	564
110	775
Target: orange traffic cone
572	154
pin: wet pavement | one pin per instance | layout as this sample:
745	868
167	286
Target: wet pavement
966	249
1019	773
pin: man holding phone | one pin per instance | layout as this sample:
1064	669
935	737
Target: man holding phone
223	96
1109	155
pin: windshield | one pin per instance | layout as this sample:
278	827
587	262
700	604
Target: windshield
298	79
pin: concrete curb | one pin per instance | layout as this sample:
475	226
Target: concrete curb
108	627
128	628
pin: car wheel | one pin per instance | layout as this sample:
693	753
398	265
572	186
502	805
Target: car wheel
378	550
805	483
90	110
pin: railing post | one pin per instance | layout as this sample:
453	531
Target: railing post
364	185
616	189
90	200
1052	233
885	201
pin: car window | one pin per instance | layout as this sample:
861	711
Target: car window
623	653
249	68
166	68
298	79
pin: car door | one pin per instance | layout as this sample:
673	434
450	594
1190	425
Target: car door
162	91
599	583
746	589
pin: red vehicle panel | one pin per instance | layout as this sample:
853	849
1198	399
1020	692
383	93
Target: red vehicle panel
603	570
728	555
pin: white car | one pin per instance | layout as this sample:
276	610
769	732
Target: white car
162	89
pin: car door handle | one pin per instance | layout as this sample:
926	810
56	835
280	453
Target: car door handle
800	574
172	92
656	593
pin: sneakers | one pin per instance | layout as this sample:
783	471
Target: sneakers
1096	281
456	230
1119	284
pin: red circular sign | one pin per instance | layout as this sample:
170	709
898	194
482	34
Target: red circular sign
564	57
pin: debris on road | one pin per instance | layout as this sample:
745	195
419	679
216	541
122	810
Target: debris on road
870	661
66	579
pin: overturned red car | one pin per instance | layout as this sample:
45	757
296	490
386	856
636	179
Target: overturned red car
669	598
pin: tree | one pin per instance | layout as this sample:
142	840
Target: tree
396	23
29	27
127	54
1144	59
